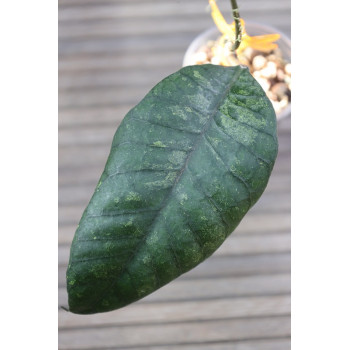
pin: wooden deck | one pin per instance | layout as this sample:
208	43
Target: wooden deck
110	54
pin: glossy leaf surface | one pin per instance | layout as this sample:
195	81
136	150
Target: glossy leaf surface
185	166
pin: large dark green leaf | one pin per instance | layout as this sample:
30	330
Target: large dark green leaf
186	164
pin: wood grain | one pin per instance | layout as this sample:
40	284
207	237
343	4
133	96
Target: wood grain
176	333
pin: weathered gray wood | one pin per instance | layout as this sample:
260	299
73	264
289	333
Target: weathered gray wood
258	344
213	288
91	135
226	266
74	160
81	193
140	27
268	203
88	81
271	243
161	9
113	96
140	313
185	332
265	222
80	177
234	245
78	64
108	116
75	190
132	27
253	225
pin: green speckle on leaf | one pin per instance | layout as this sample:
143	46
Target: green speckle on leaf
133	196
158	144
177	157
197	74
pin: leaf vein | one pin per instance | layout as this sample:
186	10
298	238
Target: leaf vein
166	126
175	258
230	170
140	211
201	85
246	124
211	201
165	147
243	145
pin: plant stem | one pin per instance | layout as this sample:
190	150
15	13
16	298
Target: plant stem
238	27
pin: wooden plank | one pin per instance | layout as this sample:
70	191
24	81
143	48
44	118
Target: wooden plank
73	160
81	193
266	222
279	182
162	9
86	138
107	116
158	42
284	126
91	135
212	287
111	115
233	245
112	96
70	215
76	160
132	27
186	332
273	202
140	313
74	3
225	266
114	62
77	167
77	64
123	79
128	46
146	26
82	178
256	224
81	3
237	276
268	203
247	344
268	243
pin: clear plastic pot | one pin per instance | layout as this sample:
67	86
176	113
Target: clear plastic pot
252	29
